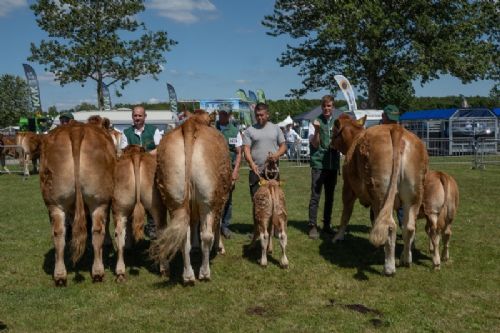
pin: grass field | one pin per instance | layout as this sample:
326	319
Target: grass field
328	288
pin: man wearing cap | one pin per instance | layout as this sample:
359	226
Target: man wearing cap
234	142
324	167
390	115
65	117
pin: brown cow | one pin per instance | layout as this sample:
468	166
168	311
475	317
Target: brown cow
380	163
439	208
76	174
194	179
106	124
7	148
270	213
134	191
30	143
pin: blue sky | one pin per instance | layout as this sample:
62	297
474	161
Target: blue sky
222	47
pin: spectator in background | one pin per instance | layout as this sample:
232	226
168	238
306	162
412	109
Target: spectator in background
291	137
234	142
65	118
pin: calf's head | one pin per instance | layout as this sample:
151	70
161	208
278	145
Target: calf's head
345	130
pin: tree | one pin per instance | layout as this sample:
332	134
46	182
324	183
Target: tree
382	46
14	100
52	111
87	42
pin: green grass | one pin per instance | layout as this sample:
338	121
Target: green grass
318	293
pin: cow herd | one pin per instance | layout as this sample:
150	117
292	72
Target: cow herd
84	176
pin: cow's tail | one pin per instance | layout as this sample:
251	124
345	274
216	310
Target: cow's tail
138	214
174	236
277	209
449	208
79	235
380	230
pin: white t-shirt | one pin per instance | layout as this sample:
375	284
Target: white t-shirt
291	136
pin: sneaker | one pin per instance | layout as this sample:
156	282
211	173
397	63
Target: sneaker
226	233
313	232
327	229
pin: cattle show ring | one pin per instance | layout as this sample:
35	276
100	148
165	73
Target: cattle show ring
74	205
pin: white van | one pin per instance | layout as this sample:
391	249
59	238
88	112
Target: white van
373	117
164	120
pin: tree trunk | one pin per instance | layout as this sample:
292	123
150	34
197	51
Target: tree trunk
100	96
373	91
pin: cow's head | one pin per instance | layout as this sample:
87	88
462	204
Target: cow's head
271	170
345	129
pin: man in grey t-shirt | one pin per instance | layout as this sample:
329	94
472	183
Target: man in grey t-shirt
259	140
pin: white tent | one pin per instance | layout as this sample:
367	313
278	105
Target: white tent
288	120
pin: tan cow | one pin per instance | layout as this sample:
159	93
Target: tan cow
194	179
76	174
135	190
270	214
106	124
30	143
381	163
439	208
7	148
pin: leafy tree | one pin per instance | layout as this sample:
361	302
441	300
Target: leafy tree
87	42
385	45
52	111
14	100
85	107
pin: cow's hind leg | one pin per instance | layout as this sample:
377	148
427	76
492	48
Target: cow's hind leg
390	249
434	238
99	215
264	239
348	199
120	234
57	218
158	212
410	214
283	241
207	240
188	277
445	255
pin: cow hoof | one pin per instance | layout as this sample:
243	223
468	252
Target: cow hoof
205	278
164	273
437	267
120	278
222	251
284	266
188	283
60	282
262	264
389	274
97	278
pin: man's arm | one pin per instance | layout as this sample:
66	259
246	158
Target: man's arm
237	163
314	138
123	140
157	138
249	159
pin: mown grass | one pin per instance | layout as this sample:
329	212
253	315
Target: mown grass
327	288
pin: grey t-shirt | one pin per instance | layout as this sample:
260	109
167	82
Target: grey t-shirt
263	140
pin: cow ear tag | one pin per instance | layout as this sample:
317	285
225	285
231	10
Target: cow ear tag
262	182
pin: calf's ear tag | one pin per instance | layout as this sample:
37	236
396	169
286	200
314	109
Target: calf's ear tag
262	182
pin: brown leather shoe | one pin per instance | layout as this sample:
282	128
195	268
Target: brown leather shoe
313	232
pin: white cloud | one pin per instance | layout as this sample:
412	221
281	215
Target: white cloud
153	100
242	81
7	6
182	11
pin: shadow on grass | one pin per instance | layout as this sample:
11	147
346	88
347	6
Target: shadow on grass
135	258
242	228
355	251
253	252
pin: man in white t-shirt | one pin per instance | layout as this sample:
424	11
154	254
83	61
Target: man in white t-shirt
291	137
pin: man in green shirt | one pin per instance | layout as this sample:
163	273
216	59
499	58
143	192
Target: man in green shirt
324	167
147	136
140	133
234	142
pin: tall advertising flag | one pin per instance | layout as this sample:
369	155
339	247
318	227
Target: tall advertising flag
252	96
172	98
348	92
36	105
261	97
242	95
107	97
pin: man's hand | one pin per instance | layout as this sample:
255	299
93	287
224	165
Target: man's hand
235	176
316	124
255	169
